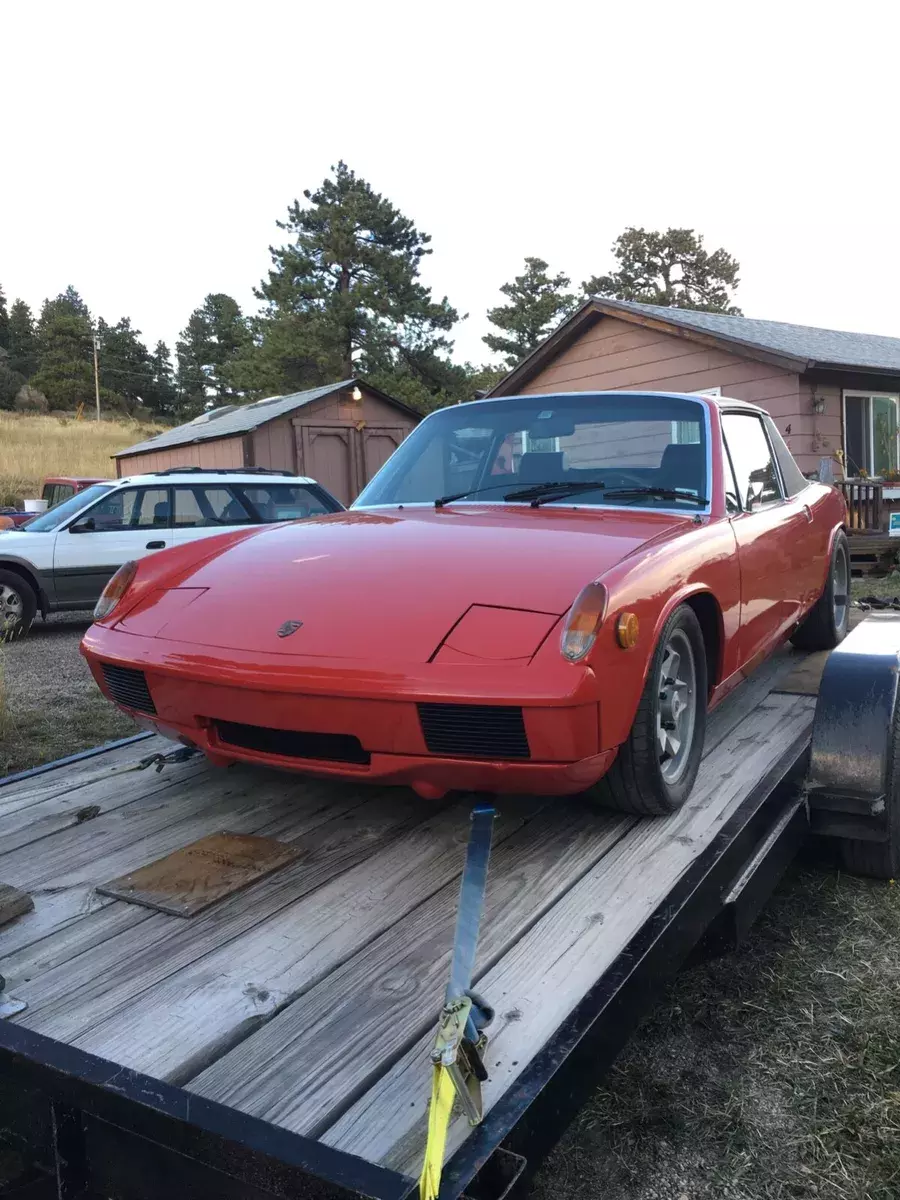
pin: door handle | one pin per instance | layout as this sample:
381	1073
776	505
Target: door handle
808	513
156	545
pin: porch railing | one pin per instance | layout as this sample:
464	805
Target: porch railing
865	503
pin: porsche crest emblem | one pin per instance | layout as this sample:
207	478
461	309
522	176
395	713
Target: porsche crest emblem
288	628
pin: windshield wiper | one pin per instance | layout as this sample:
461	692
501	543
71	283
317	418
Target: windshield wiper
663	493
442	500
554	490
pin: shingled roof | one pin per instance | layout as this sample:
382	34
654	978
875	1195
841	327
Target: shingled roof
233	419
800	347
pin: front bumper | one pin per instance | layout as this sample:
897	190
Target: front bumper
195	695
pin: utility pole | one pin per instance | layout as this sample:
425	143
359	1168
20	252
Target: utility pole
96	377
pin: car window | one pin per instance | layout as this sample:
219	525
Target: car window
283	501
792	477
59	515
131	508
206	507
751	457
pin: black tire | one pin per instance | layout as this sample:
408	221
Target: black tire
636	783
825	625
18	605
880	860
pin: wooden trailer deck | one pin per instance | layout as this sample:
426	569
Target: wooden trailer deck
310	997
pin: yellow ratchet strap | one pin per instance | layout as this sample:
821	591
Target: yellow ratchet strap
439	1110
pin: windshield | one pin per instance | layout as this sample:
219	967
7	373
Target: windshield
640	451
61	513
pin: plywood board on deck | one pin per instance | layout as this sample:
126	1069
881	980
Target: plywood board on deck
542	978
190	879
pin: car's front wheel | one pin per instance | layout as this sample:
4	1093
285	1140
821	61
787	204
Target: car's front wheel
655	769
18	605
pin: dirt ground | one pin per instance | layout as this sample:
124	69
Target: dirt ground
52	705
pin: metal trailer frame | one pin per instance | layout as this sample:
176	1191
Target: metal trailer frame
98	1129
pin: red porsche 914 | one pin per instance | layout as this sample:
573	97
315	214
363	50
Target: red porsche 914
541	593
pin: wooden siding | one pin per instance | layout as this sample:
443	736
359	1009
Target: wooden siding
273	446
616	354
222	452
826	429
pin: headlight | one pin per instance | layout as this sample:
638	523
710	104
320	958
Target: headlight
115	590
583	622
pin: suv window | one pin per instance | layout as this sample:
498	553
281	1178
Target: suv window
751	457
283	501
131	508
55	493
204	507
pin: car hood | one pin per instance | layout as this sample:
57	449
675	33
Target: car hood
393	585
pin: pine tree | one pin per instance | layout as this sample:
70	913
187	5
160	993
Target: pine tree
4	324
126	374
537	304
671	269
216	334
163	394
22	347
65	372
344	296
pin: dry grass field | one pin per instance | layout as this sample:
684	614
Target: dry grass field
33	447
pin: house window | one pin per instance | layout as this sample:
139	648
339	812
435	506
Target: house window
870	432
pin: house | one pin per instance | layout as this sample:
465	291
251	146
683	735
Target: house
828	391
339	434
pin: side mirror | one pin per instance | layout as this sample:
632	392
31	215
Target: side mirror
85	526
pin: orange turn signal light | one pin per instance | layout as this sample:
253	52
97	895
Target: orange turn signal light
583	622
627	628
115	590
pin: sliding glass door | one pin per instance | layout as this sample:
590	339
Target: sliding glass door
870	433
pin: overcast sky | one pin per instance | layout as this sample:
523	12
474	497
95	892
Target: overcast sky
148	149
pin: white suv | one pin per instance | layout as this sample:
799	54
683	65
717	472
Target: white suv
64	558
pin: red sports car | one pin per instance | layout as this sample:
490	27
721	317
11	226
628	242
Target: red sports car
541	593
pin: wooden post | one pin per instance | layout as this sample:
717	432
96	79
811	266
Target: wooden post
96	378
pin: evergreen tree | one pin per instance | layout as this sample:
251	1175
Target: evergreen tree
22	345
344	297
163	394
670	268
538	302
65	372
4	324
126	373
215	335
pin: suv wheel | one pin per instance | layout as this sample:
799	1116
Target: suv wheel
18	605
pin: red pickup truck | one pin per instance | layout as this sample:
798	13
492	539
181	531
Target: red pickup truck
56	489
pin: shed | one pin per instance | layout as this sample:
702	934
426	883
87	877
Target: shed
828	390
339	434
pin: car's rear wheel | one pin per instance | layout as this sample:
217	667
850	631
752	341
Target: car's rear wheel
655	769
825	625
18	605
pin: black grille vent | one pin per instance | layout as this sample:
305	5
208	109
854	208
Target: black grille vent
474	730
326	747
128	687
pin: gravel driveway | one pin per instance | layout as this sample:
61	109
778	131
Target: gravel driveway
52	705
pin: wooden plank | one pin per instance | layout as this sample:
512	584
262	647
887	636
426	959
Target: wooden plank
194	877
13	903
75	775
323	1042
22	825
541	979
223	996
63	871
94	980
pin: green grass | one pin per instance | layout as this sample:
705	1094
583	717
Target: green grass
884	586
35	735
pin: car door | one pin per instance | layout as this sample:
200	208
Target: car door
128	523
200	510
767	525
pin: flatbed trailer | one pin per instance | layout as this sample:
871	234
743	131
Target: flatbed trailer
276	1042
